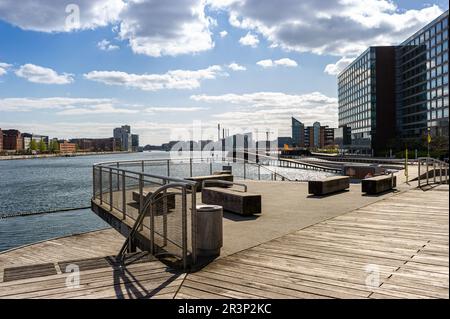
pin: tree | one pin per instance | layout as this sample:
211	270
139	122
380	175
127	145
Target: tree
33	145
42	146
54	146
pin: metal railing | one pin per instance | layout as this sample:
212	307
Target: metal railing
153	198
433	166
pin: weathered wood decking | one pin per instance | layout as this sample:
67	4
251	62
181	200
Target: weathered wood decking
394	248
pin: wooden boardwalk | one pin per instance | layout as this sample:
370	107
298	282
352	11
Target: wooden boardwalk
395	248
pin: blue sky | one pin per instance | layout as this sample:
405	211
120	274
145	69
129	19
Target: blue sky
160	65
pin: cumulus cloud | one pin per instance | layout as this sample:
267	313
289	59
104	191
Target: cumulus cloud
4	68
286	62
236	67
223	33
336	68
38	74
175	79
174	109
249	40
342	28
272	109
158	28
59	16
106	45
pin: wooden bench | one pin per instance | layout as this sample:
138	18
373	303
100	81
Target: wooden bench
201	179
329	185
160	200
378	184
232	200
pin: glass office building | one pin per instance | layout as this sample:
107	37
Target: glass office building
422	77
395	93
298	133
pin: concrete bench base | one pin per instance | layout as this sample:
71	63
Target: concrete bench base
378	184
159	208
232	200
329	185
221	177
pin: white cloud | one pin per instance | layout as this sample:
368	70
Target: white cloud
336	68
223	33
38	74
157	28
175	79
106	108
174	109
236	67
273	109
51	16
268	63
105	45
342	28
4	68
249	40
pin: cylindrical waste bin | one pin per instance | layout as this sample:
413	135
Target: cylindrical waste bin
209	235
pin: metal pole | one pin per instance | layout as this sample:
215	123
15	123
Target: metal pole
434	172
184	228
427	171
190	166
118	177
245	173
210	167
110	190
152	228
168	168
194	223
124	196
142	164
101	185
440	173
418	172
93	182
141	196
165	217
259	172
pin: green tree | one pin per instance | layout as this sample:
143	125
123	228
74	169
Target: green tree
54	146
42	146
33	145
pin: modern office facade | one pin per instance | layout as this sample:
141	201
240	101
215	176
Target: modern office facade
422	77
298	133
391	95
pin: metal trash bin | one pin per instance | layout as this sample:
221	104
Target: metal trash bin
209	236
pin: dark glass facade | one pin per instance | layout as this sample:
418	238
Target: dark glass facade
422	77
298	133
391	94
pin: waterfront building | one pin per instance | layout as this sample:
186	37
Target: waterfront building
284	140
342	137
134	142
66	148
124	135
12	140
97	144
318	136
27	138
298	133
1	140
390	96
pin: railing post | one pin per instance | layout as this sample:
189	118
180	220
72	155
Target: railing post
245	173
165	218
428	172
118	177
194	223
93	182
110	190
168	167
190	166
434	172
259	172
418	172
152	229
142	164
184	227
440	173
210	168
101	185
141	196
124	196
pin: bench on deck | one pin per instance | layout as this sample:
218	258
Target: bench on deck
232	200
329	185
378	184
159	209
211	179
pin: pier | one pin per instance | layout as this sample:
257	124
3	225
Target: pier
389	246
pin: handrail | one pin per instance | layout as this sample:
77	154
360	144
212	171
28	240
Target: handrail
429	161
150	200
224	183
